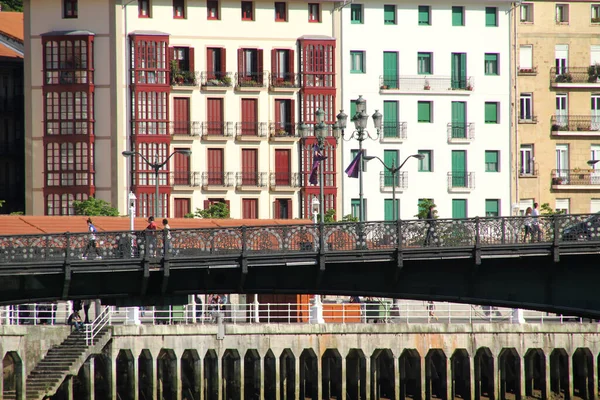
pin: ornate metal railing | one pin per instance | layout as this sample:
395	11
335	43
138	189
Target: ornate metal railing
528	119
184	178
290	239
250	80
386	180
284	80
284	179
251	129
527	71
393	130
216	129
251	179
528	168
217	179
425	83
184	78
566	177
461	180
571	75
282	130
458	131
575	123
216	79
185	128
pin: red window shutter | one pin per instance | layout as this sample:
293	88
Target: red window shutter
292	115
209	63
191	60
291	61
274	69
171	55
277	117
289	209
276	209
240	61
228	204
259	56
206	204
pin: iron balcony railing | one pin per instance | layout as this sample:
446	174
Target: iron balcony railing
250	79
393	130
251	129
284	80
461	180
217	179
425	83
528	119
527	71
461	131
184	78
185	128
251	179
528	169
387	180
282	129
216	79
217	128
185	178
575	177
570	75
575	123
284	179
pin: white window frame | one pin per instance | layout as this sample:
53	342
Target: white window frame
594	206
526	104
527	160
526	13
357	62
595	14
562	14
562	205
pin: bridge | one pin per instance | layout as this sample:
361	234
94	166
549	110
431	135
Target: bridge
486	261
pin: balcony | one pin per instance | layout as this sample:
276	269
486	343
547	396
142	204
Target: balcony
528	119
250	82
284	82
387	184
528	170
527	71
215	80
250	180
282	132
461	132
426	84
575	125
184	80
393	132
184	129
250	131
216	130
573	179
284	181
576	77
461	182
217	181
184	178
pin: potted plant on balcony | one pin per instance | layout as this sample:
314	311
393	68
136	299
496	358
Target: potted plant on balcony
384	87
426	85
176	74
593	73
565	77
226	80
280	132
557	180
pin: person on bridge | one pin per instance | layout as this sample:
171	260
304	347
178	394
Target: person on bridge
528	226
536	229
167	234
91	242
430	226
151	237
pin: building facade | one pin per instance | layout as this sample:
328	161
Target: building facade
445	95
557	124
154	77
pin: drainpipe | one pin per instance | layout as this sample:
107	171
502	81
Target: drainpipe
515	120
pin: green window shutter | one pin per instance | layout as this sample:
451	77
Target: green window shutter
389	14
491	113
459	168
390	119
352	111
457	16
425	163
357	62
424	63
491	161
355	207
388	209
491	64
390	157
356	13
424	15
459	208
390	69
491	16
424	111
459	123
492	208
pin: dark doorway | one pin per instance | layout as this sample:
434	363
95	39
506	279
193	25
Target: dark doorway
252	375
436	383
559	374
356	375
583	374
190	375
125	376
535	374
287	375
410	375
461	374
145	375
383	374
211	375
331	374
309	375
484	374
510	374
270	376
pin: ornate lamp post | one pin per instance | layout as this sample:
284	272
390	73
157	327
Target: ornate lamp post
360	133
156	166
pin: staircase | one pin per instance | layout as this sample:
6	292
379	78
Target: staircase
65	359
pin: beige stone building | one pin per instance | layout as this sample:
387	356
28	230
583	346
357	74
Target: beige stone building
557	102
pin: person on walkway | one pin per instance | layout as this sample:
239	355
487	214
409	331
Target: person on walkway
431	311
167	234
528	225
536	230
429	237
91	241
151	237
74	320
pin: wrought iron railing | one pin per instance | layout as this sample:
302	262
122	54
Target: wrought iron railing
284	179
282	130
528	119
250	80
461	180
461	131
184	78
217	179
527	71
568	75
251	179
216	79
185	178
387	180
425	83
284	80
582	177
216	129
251	129
575	123
185	128
528	169
393	130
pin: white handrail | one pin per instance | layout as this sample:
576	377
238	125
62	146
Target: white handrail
102	320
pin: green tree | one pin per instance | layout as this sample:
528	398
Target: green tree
545	209
424	205
12	5
94	207
215	211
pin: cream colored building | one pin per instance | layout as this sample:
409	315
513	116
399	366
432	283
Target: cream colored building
557	100
227	80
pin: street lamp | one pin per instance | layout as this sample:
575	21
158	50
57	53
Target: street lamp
360	133
156	166
316	207
394	170
591	163
321	136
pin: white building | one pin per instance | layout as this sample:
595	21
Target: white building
440	75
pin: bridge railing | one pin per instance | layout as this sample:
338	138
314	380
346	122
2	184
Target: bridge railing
281	239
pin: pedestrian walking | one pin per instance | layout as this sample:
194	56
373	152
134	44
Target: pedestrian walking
91	244
429	237
535	224
151	237
431	311
528	225
167	234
